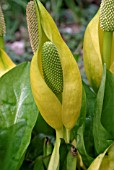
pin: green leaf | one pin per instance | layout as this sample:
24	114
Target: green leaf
107	117
42	127
84	137
18	114
40	132
88	132
42	163
63	151
102	138
39	164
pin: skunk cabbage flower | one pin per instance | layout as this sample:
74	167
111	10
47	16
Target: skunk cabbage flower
5	62
98	45
55	77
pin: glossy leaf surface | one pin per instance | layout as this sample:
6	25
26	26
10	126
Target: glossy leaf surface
18	114
84	136
102	136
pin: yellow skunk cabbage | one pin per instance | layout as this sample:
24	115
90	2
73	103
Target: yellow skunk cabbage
54	74
98	45
55	78
5	62
105	161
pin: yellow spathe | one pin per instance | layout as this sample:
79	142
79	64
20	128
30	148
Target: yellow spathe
55	113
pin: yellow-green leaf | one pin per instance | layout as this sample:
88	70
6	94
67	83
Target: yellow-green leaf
5	63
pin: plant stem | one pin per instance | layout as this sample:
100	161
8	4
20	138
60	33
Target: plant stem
2	42
67	135
54	161
107	45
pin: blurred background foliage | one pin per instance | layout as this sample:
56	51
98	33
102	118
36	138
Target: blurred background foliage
71	17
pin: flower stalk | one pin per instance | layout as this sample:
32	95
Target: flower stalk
107	48
107	25
54	161
2	29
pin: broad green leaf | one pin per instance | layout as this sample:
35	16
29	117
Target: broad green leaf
107	117
5	63
18	114
102	138
88	132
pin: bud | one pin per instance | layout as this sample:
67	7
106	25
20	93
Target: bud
72	157
2	23
32	24
47	149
